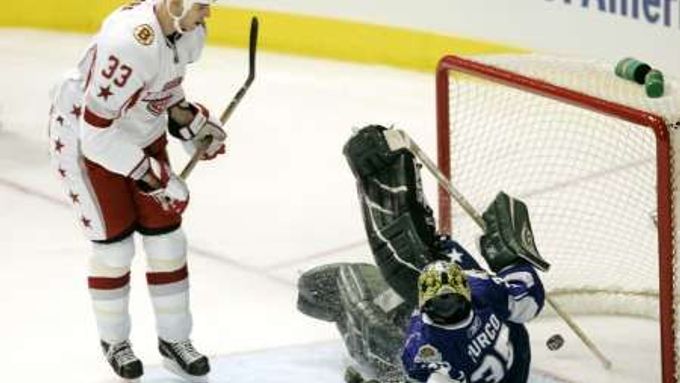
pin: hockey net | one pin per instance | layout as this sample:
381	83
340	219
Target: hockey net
591	155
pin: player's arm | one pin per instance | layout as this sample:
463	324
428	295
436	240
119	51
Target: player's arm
458	253
191	122
516	293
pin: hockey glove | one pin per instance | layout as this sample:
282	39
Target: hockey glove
508	237
164	186
201	125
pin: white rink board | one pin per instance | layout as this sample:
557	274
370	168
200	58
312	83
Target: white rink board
258	217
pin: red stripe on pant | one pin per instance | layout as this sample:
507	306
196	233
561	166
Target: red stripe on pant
164	278
105	283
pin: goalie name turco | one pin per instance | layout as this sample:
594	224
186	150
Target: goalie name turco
428	311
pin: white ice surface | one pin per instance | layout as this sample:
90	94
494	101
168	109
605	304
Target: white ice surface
281	201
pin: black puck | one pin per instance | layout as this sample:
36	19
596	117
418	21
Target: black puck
555	342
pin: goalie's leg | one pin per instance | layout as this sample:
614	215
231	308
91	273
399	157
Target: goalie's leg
368	313
398	221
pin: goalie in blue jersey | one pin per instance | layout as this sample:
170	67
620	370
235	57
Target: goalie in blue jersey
427	311
468	327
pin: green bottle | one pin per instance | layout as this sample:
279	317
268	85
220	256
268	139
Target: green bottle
654	83
632	69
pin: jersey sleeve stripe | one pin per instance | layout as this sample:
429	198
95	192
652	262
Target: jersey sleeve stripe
95	120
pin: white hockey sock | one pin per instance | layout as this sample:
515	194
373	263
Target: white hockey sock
109	285
168	281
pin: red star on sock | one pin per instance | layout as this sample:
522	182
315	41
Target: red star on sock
62	172
85	221
105	92
76	110
74	197
60	120
58	145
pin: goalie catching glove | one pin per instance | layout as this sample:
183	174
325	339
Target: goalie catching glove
201	125
508	236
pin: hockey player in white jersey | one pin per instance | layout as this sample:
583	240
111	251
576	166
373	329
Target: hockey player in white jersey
108	125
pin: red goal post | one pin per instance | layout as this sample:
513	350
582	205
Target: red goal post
463	84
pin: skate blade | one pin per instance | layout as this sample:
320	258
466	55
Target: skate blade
173	367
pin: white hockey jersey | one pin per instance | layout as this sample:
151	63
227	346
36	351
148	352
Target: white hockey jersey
124	83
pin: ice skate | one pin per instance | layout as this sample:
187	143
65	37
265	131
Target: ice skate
183	360
123	361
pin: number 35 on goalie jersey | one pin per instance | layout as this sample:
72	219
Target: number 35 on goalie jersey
491	345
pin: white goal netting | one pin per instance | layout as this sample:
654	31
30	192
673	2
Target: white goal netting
577	144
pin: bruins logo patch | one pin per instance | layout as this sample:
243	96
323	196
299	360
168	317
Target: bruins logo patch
144	34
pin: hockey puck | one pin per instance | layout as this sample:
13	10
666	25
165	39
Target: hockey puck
555	342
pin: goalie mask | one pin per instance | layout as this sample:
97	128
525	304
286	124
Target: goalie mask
443	293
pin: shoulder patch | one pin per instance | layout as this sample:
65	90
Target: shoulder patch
144	34
428	354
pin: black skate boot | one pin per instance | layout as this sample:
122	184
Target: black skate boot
123	361
182	359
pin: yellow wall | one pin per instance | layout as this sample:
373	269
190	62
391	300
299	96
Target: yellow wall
280	32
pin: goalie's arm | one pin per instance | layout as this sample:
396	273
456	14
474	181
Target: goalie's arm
516	294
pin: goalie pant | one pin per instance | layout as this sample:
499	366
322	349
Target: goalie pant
491	345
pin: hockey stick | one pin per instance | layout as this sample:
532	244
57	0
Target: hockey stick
398	139
205	143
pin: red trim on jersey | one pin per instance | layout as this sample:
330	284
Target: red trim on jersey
164	278
89	71
133	99
95	120
104	283
140	169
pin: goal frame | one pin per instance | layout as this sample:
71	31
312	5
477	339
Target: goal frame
641	118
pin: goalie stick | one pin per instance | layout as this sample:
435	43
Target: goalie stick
203	145
398	139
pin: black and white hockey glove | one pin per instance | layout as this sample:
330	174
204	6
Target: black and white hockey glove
508	237
201	124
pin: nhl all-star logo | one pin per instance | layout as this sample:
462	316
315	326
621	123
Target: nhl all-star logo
428	354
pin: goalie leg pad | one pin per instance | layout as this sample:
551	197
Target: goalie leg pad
318	294
399	224
369	333
367	151
400	254
508	236
398	221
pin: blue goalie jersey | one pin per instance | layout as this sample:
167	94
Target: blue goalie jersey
492	344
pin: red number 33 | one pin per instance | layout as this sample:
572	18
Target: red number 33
114	66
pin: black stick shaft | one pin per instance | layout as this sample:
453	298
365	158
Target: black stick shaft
205	143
